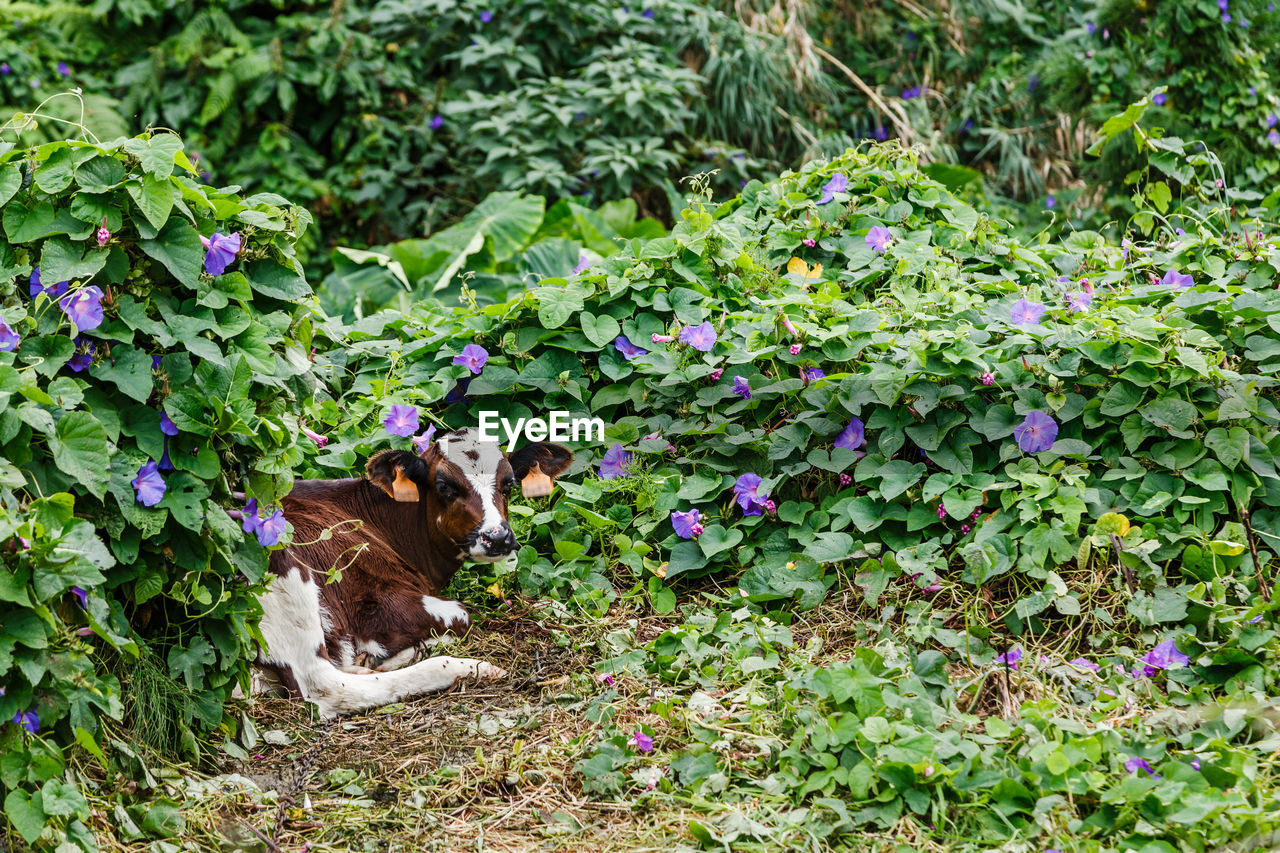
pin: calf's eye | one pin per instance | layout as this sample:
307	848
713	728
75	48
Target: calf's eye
446	489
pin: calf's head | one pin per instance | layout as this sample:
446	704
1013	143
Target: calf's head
463	484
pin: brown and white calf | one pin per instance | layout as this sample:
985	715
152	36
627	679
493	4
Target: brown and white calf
361	641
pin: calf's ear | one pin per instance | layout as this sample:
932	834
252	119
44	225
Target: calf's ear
536	464
397	472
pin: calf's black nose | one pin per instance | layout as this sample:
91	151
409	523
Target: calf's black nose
499	543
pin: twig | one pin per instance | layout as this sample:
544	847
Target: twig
1129	577
903	128
1263	587
271	845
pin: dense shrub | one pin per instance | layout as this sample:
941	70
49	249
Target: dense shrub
137	390
913	321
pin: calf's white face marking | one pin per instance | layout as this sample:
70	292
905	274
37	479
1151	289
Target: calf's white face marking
479	461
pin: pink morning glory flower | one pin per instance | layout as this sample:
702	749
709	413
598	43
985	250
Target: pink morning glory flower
149	486
742	387
84	307
103	235
788	325
661	339
987	378
629	350
402	420
716	374
320	440
9	339
809	241
1037	432
614	462
878	239
747	492
838	184
1173	278
422	442
853	436
942	511
845	479
701	337
473	357
1026	313
1011	657
221	252
794	349
687	524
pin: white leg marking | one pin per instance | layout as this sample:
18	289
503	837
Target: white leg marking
450	614
372	648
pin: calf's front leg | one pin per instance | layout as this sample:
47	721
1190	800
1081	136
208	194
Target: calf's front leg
407	628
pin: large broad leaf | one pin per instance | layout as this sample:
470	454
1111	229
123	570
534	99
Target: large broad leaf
273	279
509	219
25	813
154	197
130	370
156	154
10	181
62	260
178	247
1118	124
81	449
557	302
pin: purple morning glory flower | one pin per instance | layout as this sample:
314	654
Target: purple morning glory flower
437	121
642	742
9	339
81	596
838	184
1158	99
583	263
628	349
878	239
813	374
1226	17
1195	764
221	252
155	362
1272	120
1173	278
1273	137
28	720
701	337
1051	201
912	93
167	426
1087	664
402	420
1078	303
1026	313
486	16
686	524
270	529
64	69
1223	5
165	464
1091	27
1133	765
149	485
853	436
648	13
1032	82
614	463
747	492
249	520
1163	656
54	290
473	357
1011	657
85	349
422	442
84	307
459	392
5	69
742	387
1036	432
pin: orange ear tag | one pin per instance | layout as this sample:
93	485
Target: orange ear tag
535	484
404	489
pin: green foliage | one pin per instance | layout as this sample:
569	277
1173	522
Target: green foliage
169	591
504	244
1160	395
